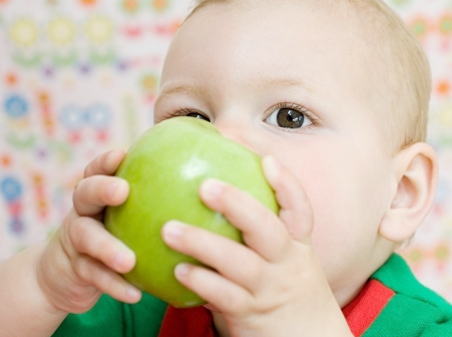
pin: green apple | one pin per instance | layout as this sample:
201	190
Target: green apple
164	169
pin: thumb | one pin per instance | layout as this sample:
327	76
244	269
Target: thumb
295	208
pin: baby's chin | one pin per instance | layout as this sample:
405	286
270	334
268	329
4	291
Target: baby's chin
212	308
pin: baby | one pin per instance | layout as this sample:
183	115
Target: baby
333	94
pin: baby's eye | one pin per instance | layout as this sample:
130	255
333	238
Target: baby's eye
197	115
183	112
288	118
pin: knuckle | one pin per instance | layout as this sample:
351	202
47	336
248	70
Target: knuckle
254	273
79	234
237	304
75	199
81	265
91	168
79	195
87	172
105	193
77	296
104	162
91	272
63	233
82	292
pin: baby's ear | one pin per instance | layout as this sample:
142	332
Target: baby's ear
415	171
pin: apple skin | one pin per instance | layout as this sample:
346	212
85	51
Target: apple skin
165	168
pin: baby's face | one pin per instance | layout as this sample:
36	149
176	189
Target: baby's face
290	81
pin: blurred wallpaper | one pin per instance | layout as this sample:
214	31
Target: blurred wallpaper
79	77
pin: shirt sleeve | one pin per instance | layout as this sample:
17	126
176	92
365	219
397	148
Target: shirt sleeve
112	318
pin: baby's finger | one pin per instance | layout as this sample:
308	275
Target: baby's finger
218	252
262	230
213	288
106	163
89	237
98	275
295	208
92	194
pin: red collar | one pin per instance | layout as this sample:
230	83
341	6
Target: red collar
360	314
189	322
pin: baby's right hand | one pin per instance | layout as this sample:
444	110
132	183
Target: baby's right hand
83	260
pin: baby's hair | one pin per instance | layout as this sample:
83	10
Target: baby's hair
406	72
398	59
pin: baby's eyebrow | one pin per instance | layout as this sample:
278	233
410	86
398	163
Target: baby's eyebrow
291	82
285	82
180	89
264	82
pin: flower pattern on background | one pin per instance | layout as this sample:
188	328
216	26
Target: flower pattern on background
78	78
61	31
24	32
15	106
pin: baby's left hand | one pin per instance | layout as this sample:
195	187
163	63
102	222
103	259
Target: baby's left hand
271	286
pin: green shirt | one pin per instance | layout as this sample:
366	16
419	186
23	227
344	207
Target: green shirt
116	319
414	310
393	304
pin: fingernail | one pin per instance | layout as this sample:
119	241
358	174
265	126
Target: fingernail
113	188
181	270
121	258
272	166
133	294
173	230
211	188
114	154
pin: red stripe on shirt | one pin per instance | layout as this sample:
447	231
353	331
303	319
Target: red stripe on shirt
360	314
190	322
365	308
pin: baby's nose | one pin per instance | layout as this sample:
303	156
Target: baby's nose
239	135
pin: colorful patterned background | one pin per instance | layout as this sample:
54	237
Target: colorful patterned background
78	77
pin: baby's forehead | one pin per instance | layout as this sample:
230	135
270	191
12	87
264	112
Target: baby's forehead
333	8
274	27
281	36
338	20
360	19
